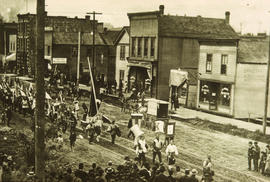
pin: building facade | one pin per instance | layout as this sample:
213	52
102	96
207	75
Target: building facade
217	74
8	34
159	43
122	54
61	46
251	77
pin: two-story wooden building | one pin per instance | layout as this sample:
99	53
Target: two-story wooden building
159	43
122	54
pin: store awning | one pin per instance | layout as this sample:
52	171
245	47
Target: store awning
177	77
11	57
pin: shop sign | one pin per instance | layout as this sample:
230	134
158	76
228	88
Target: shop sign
59	60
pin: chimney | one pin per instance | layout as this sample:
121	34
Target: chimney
87	17
227	17
161	9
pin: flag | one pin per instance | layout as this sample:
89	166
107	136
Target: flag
93	109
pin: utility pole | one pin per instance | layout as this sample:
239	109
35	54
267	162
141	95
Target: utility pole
78	58
40	92
94	32
266	91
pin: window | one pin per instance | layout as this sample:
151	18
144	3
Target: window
133	41
101	58
139	46
209	63
225	94
152	47
121	74
145	53
48	50
122	52
224	62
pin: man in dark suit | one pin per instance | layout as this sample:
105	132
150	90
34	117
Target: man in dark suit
161	177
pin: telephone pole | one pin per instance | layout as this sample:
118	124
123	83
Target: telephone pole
266	91
40	92
93	48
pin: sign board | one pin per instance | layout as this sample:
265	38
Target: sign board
153	105
59	61
170	129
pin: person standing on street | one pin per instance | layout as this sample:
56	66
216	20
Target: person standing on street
9	115
112	129
72	139
257	152
250	154
171	152
157	146
141	149
208	173
130	124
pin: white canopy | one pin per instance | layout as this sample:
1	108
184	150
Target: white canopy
177	77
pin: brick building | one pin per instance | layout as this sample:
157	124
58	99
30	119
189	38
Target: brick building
61	45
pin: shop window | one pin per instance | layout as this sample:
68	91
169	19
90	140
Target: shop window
133	42
204	92
122	52
139	46
209	63
225	94
145	53
152	47
224	62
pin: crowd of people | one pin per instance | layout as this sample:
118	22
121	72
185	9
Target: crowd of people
129	171
260	159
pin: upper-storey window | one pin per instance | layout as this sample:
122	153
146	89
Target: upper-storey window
152	46
139	46
145	53
224	62
122	52
209	63
133	42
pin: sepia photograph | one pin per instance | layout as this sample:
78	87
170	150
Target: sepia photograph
134	91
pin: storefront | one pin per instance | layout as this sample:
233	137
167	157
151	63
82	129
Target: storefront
215	96
140	76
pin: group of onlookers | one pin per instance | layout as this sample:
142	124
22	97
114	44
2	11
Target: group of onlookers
260	159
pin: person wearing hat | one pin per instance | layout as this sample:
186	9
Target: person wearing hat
193	178
112	129
110	172
161	177
256	158
208	173
186	177
80	173
171	152
141	149
157	146
250	154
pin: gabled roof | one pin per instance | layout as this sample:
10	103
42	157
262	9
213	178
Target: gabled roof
121	34
253	50
68	38
195	27
109	36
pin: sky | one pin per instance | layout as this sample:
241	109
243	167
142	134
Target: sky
248	16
